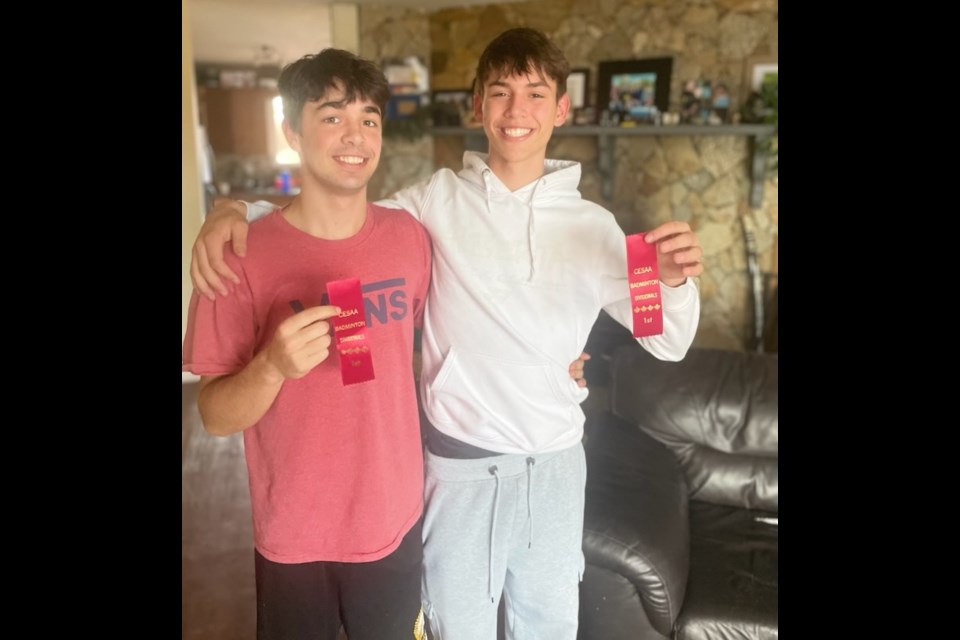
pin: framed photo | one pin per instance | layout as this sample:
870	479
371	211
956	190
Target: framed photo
634	91
452	107
577	83
403	106
409	71
763	74
760	88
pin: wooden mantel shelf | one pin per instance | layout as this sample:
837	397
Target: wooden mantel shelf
474	139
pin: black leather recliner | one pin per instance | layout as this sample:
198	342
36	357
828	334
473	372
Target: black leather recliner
680	529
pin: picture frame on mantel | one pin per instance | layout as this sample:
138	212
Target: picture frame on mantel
452	107
577	83
763	73
756	69
634	91
760	84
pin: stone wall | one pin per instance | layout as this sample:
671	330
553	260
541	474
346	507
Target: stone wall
392	32
702	180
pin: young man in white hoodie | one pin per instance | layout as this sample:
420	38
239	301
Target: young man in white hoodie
522	267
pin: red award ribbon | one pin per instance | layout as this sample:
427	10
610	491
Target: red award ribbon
644	277
350	338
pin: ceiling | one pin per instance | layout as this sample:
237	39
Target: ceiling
429	5
239	31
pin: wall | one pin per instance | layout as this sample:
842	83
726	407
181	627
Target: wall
190	203
395	32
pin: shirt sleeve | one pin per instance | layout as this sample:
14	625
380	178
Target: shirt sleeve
221	334
413	199
258	209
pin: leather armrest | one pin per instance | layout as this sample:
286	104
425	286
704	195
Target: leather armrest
636	520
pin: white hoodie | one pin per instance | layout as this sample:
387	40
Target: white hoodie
518	281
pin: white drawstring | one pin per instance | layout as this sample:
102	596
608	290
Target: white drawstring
493	529
532	230
486	188
531	226
530	463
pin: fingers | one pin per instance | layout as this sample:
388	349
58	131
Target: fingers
687	256
238	235
216	266
226	223
576	369
666	230
693	270
582	381
302	341
205	279
227	207
679	251
199	282
307	317
678	242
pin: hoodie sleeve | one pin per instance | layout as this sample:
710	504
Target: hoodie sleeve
681	305
258	209
412	199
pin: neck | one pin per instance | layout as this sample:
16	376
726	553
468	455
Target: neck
516	174
330	216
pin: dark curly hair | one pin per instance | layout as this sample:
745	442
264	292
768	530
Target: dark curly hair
310	77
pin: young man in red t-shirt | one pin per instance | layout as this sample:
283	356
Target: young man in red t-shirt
336	470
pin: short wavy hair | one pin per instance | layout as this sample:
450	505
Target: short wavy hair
309	78
522	51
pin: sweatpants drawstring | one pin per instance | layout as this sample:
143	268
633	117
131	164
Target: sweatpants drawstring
493	529
530	463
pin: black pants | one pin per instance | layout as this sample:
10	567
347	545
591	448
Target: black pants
373	600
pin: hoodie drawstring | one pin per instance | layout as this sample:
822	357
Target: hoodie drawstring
532	230
487	189
493	529
495	472
531	226
530	463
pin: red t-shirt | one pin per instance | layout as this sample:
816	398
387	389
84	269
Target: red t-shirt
336	472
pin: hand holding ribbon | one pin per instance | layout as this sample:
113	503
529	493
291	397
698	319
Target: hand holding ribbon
678	252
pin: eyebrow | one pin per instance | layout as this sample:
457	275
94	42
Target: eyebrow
501	83
340	104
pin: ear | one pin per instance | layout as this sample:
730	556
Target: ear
293	138
478	107
563	106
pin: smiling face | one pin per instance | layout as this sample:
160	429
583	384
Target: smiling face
519	112
339	142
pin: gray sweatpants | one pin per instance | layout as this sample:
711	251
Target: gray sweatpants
510	524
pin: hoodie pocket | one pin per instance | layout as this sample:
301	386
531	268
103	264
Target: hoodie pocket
502	401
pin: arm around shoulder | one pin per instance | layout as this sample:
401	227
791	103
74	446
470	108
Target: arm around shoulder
412	199
226	223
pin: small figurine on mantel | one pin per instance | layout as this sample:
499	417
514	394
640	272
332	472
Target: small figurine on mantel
721	104
689	102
